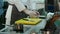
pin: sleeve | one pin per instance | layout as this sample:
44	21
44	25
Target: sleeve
19	5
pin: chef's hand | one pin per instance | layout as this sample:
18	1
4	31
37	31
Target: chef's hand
32	13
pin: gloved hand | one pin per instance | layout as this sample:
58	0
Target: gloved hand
49	15
32	13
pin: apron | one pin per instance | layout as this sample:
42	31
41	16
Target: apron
16	15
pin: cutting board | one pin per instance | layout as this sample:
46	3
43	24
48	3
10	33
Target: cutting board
28	21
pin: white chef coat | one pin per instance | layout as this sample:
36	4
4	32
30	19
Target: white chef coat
18	4
31	4
35	4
